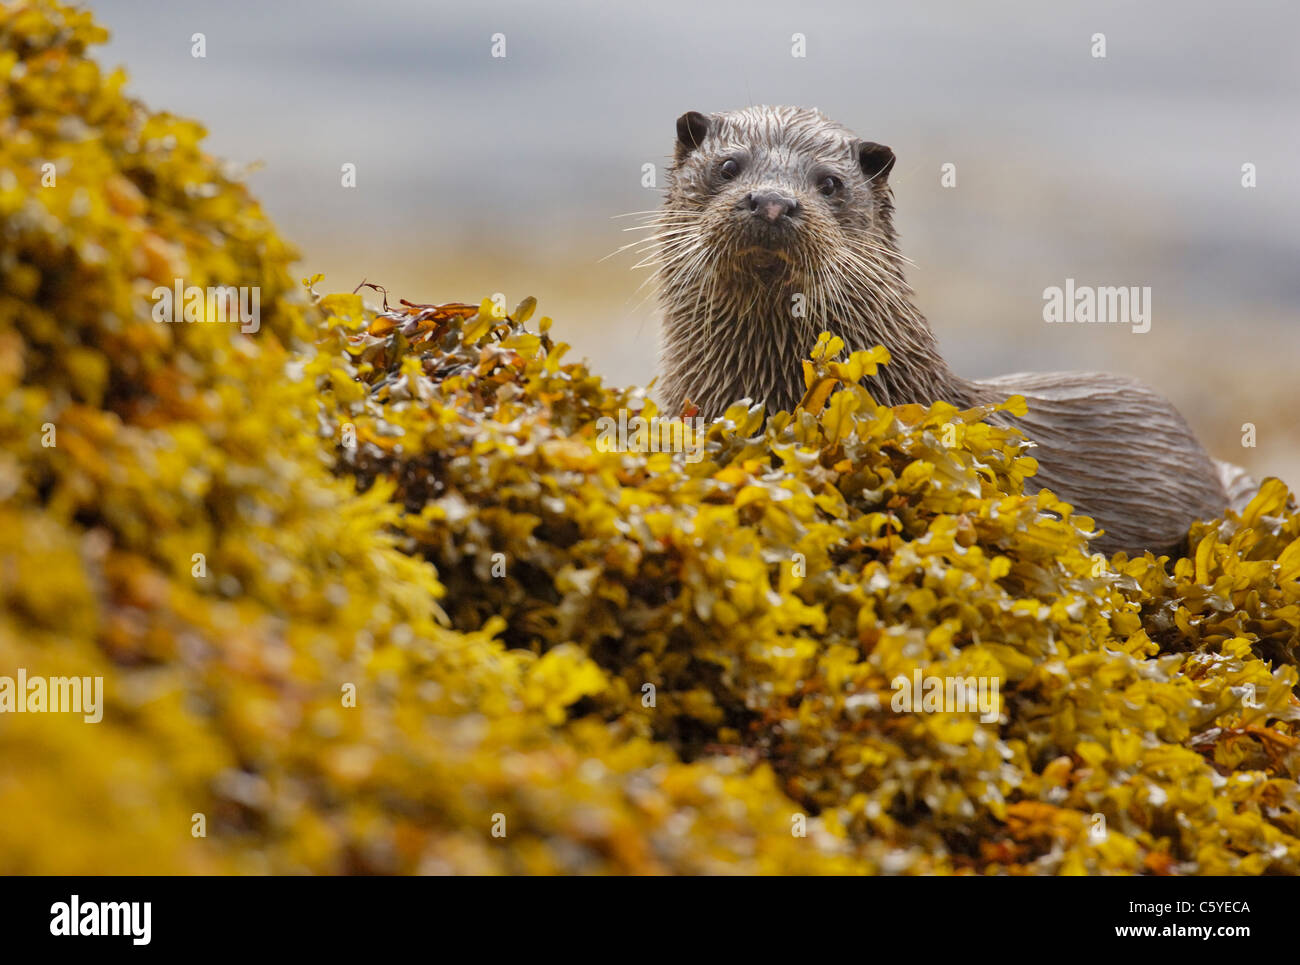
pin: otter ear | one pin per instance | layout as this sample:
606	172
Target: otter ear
875	160
691	129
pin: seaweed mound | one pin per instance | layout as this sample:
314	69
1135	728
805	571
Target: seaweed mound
401	590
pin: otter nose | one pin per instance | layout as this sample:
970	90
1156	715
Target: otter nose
771	205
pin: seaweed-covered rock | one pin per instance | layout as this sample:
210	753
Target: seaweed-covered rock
382	590
774	580
281	691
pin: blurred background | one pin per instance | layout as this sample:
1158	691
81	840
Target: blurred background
478	175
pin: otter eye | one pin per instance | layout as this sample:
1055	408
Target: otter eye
729	169
829	185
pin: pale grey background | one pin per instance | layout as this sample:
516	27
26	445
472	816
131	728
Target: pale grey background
479	175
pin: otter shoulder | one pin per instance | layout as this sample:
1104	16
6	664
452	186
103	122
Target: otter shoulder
1067	386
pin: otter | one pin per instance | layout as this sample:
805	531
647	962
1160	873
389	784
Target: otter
767	202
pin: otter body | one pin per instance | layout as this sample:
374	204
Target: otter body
768	203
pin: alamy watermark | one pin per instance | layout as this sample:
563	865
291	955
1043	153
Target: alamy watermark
52	695
132	919
1108	304
653	434
216	303
946	695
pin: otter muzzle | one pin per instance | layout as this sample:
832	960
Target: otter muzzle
771	206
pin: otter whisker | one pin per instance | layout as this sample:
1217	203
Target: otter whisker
648	211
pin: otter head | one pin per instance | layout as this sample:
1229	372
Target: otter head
780	194
777	226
